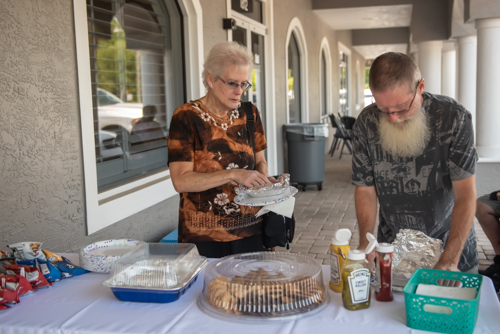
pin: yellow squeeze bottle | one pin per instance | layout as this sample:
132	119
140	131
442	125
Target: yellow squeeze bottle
339	248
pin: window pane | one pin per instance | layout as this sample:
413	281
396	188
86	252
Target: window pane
343	75
258	74
293	81
323	76
249	8
136	63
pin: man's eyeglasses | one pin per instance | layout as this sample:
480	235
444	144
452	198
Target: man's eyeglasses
402	112
233	84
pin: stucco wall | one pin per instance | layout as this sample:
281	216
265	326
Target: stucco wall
213	13
41	173
284	12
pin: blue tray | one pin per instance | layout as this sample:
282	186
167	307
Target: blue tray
151	295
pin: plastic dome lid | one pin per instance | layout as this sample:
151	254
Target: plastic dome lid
356	255
341	237
263	286
385	247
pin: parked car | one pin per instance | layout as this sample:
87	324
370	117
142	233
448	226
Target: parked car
114	114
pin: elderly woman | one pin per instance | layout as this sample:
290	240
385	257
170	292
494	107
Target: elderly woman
210	153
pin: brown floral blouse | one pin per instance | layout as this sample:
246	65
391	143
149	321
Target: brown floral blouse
213	144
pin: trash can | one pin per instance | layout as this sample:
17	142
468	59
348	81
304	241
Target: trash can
306	153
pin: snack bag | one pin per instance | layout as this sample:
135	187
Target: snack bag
32	274
52	257
64	265
51	273
18	283
5	255
68	269
8	296
28	250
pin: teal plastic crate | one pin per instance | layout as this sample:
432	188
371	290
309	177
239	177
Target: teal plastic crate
461	315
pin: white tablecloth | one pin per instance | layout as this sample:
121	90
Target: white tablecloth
83	305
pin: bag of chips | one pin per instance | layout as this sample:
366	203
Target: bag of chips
8	297
18	283
28	250
32	274
68	269
48	270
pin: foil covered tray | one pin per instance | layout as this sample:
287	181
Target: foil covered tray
263	286
266	190
156	273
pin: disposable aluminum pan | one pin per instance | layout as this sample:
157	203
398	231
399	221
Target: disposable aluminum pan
156	273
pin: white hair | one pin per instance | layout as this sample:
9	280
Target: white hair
223	55
406	138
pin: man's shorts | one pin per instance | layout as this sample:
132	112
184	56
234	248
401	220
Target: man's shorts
495	205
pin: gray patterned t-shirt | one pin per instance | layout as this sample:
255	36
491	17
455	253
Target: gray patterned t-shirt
417	193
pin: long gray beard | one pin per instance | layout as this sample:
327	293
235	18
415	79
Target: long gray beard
406	138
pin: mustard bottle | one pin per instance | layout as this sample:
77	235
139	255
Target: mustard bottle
356	294
339	248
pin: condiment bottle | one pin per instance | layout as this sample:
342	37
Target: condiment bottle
385	253
338	252
356	278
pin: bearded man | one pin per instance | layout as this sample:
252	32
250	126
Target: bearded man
414	152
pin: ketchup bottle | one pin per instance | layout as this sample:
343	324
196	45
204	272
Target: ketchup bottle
385	253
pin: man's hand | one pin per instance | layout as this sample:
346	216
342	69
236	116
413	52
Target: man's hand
444	265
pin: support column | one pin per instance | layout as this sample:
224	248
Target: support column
467	65
449	70
429	62
488	88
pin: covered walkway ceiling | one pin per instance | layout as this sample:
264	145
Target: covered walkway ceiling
392	25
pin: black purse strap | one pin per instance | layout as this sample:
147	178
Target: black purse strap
247	107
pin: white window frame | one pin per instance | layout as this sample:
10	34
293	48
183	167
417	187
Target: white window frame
359	88
296	27
266	29
325	47
111	206
347	51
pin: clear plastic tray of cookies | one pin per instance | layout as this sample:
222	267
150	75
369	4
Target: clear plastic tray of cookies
156	272
265	286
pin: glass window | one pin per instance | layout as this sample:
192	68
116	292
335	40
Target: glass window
249	8
344	77
357	85
134	45
322	73
293	81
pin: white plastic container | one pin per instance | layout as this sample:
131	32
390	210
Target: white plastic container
100	256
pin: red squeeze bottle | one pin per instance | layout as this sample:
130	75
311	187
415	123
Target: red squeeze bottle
385	253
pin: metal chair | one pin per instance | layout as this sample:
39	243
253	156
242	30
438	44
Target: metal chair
335	137
343	134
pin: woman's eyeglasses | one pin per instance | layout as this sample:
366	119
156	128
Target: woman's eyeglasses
233	84
402	112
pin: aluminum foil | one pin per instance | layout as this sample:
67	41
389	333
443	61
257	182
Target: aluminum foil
266	190
413	250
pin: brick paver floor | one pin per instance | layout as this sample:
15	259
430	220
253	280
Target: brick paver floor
319	214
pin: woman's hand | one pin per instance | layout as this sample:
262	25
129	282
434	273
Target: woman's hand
272	179
249	178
